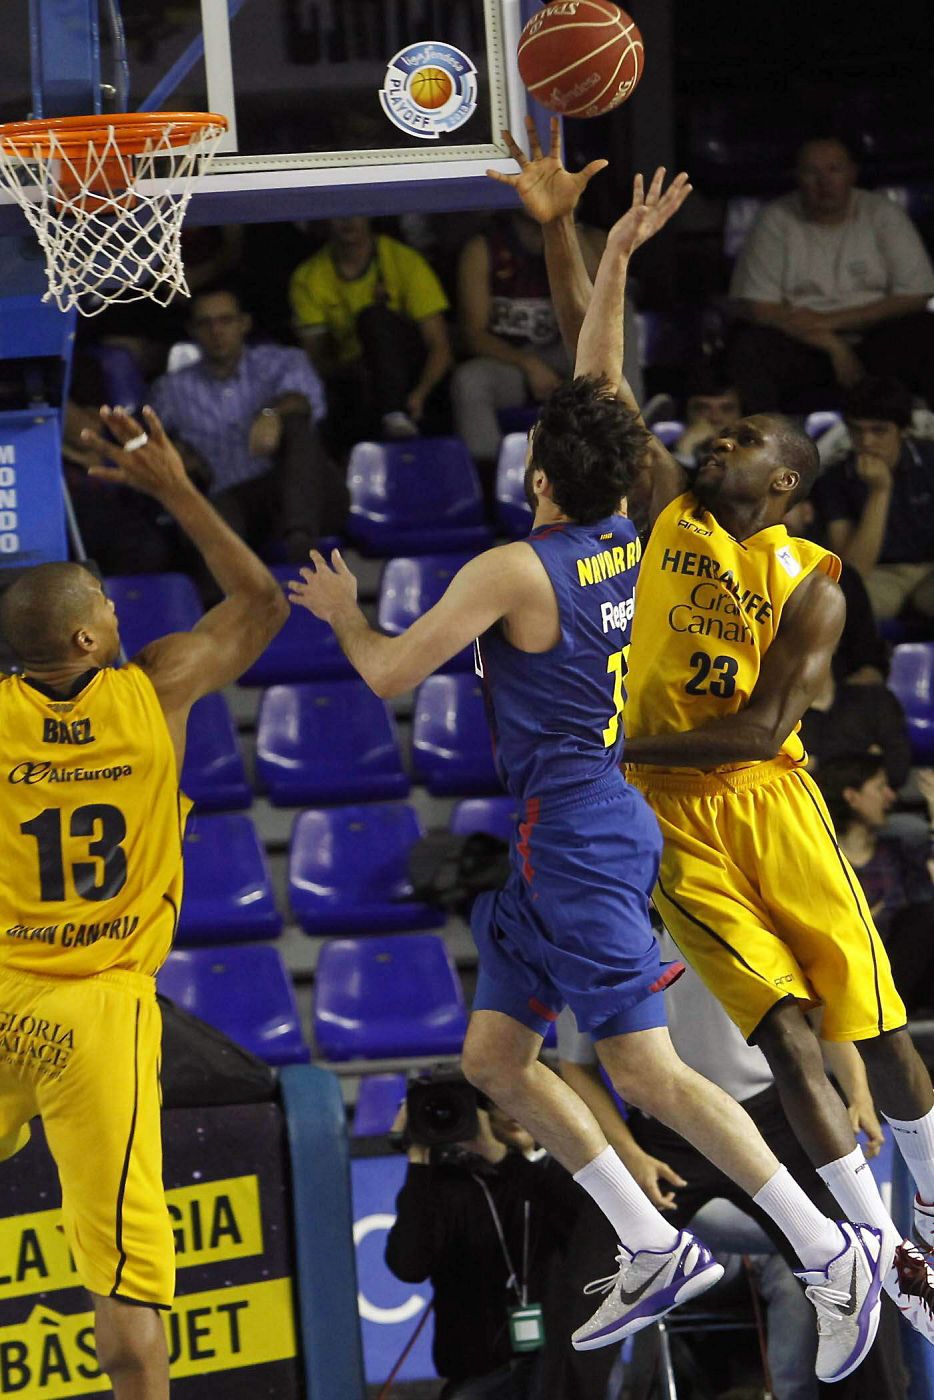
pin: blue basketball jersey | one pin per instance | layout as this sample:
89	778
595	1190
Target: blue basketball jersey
556	716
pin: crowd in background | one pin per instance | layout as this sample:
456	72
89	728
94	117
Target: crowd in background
301	341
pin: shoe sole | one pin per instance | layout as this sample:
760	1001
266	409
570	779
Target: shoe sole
870	1301
690	1288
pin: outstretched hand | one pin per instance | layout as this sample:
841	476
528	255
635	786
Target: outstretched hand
152	466
325	590
649	211
547	189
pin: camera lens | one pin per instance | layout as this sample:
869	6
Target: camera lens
441	1113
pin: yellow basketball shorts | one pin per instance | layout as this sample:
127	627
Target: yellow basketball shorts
83	1054
760	899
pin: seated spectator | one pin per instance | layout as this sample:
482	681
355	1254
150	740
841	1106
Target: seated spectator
147	331
508	328
712	405
831	284
892	871
249	413
878	502
370	313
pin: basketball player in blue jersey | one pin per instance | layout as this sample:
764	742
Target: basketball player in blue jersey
751	873
553	615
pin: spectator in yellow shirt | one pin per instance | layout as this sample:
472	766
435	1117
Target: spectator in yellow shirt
370	312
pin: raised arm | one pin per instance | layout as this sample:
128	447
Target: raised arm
550	194
480	594
601	345
227	640
793	670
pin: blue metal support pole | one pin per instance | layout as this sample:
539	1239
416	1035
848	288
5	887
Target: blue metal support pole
324	1249
66	64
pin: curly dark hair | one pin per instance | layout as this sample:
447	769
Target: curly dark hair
588	444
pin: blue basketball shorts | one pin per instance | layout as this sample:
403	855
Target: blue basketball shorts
571	927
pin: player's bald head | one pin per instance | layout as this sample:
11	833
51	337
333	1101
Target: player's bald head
797	451
43	610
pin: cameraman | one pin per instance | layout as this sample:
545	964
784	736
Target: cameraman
484	1223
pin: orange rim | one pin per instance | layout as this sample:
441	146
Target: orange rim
133	131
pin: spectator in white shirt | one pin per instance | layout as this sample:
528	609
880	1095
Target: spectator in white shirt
831	284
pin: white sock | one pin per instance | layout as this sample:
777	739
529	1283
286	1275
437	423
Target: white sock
625	1205
915	1139
814	1238
853	1186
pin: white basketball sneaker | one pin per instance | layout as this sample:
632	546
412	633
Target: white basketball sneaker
923	1233
646	1285
909	1282
847	1297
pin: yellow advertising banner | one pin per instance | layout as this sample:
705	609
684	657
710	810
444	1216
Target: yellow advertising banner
214	1221
51	1355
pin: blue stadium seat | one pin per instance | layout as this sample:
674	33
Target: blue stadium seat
245	992
668	431
333	741
821	421
304	650
377	1104
496	816
416	497
348	871
228	893
214	776
512	509
518	419
451	747
150	605
376	998
409	587
911	677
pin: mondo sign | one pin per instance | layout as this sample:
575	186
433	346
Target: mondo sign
232	1329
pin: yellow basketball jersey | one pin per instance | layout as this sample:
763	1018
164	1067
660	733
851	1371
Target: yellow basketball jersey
91	832
707	609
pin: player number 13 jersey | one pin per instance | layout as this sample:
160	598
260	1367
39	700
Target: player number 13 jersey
91	836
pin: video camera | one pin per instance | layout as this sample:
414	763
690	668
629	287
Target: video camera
441	1109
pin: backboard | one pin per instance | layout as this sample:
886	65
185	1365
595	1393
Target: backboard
335	106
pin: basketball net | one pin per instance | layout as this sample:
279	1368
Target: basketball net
106	236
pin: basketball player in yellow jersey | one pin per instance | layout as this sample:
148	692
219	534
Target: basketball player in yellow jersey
735	625
91	846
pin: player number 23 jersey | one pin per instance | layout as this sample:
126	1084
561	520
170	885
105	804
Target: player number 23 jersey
708	607
91	835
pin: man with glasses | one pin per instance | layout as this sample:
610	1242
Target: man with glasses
250	412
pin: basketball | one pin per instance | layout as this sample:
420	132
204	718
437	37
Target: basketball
430	88
581	58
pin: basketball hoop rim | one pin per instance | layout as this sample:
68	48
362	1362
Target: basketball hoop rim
132	131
